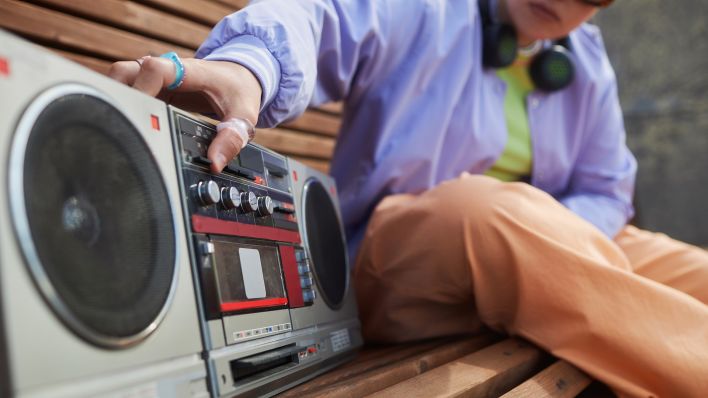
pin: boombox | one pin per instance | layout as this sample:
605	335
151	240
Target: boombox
127	269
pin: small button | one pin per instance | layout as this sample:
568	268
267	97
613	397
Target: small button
305	282
308	295
300	256
533	103
303	269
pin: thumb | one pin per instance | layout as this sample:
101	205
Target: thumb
232	135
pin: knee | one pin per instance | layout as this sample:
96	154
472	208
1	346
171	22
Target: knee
481	200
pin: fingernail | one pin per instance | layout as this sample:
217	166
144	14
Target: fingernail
221	160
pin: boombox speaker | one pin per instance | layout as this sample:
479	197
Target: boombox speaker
96	290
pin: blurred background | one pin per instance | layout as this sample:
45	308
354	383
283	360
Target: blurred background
660	54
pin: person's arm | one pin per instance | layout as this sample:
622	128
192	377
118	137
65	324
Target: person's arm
267	62
602	183
305	52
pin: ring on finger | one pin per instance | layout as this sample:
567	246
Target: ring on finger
179	69
141	60
243	127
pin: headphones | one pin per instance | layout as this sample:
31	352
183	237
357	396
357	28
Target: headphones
550	70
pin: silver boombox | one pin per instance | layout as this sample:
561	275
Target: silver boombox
128	269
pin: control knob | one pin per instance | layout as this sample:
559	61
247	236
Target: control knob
249	202
208	192
230	197
265	206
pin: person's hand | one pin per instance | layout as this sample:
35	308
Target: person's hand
225	88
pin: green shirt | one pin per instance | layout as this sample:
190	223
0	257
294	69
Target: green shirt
516	161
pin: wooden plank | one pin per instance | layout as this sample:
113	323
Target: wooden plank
316	122
290	142
203	11
368	361
486	373
98	65
560	380
321	165
137	18
64	30
378	379
333	107
236	4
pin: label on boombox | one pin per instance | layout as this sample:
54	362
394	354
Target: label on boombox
270	263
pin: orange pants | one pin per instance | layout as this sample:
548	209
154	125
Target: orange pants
631	312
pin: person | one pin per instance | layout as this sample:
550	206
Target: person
469	195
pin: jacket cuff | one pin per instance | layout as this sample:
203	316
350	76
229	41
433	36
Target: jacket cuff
250	52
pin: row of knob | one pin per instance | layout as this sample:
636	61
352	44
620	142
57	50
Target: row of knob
209	193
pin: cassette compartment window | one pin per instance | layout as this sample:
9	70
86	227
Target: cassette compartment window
249	276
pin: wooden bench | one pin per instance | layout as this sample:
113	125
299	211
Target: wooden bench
96	33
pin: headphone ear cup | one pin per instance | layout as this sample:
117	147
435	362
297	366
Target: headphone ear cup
552	69
499	46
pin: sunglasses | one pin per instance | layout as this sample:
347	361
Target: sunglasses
598	3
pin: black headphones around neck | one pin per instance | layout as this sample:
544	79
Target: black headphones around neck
550	70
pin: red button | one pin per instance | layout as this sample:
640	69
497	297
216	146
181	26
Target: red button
259	180
4	67
155	121
311	350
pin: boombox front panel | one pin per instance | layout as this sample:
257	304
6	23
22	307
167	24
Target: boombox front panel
266	327
44	349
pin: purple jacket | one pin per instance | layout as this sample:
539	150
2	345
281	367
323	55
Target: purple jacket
420	109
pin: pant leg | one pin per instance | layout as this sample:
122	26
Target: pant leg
668	261
529	267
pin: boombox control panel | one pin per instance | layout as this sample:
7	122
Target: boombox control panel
251	201
263	279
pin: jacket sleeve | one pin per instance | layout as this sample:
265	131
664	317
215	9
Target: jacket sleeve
302	51
602	182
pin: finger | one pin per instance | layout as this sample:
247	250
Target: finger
194	101
224	148
155	74
124	71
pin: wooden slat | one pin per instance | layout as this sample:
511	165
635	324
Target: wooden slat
98	65
202	11
236	4
389	375
333	107
137	18
321	165
485	373
290	142
317	122
560	380
61	29
368	361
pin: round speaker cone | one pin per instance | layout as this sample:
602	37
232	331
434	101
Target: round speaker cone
326	244
99	219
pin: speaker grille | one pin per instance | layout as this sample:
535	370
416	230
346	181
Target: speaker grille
325	242
99	219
